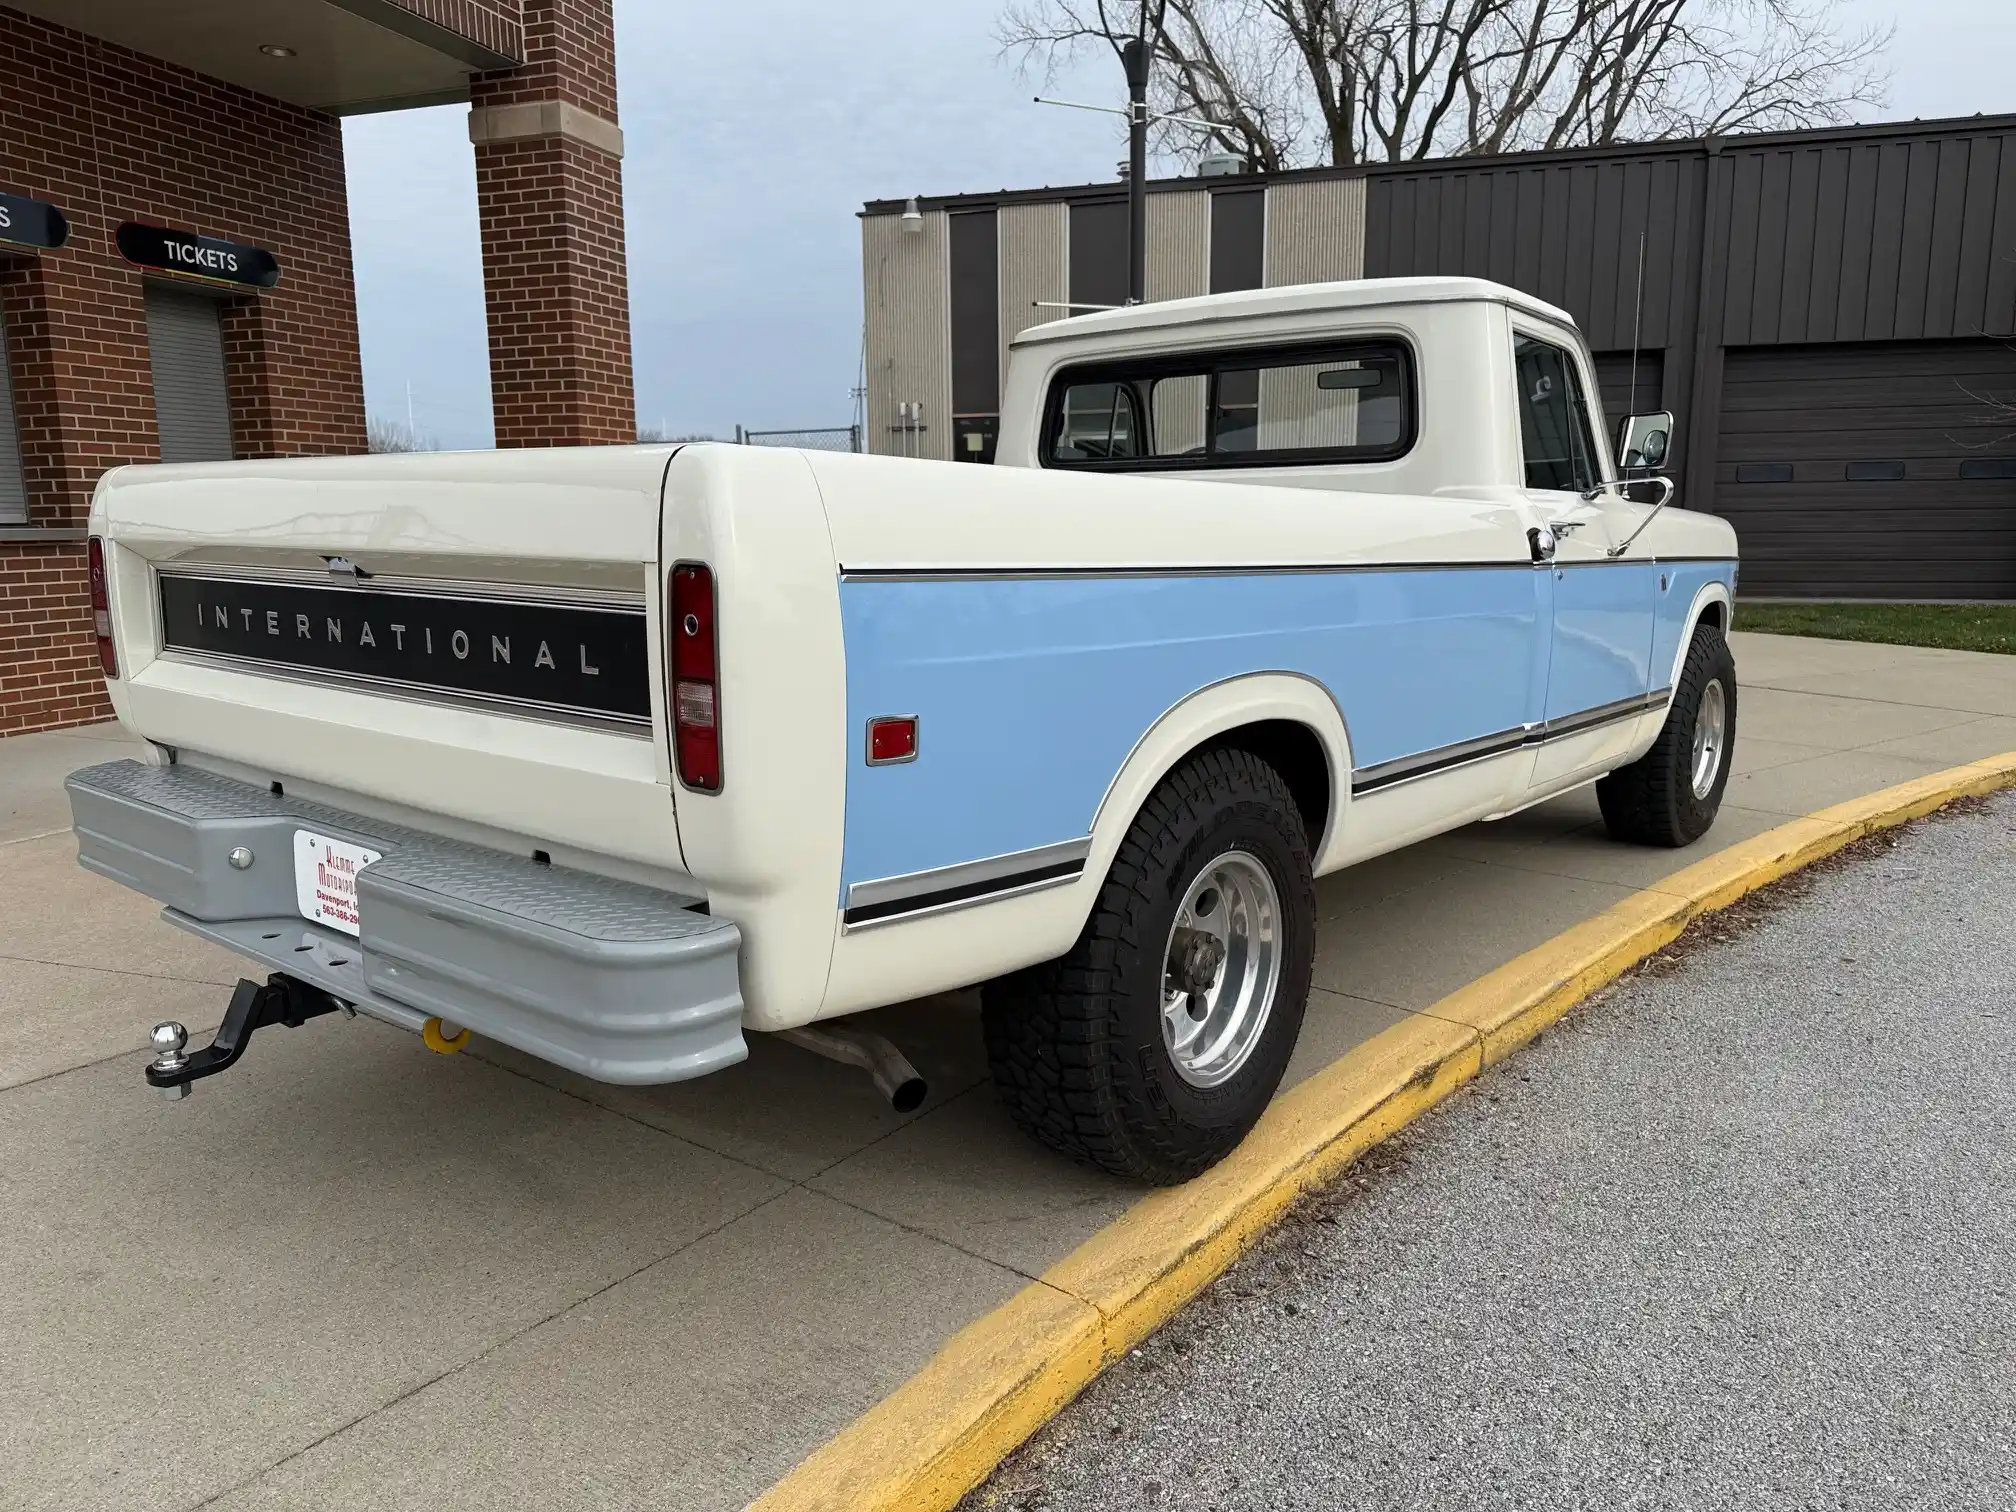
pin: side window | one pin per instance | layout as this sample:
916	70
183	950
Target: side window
1342	402
1554	425
1100	423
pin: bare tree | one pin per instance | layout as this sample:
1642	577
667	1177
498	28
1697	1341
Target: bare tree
396	436
1292	82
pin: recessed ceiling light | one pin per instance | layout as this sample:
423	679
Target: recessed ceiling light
275	50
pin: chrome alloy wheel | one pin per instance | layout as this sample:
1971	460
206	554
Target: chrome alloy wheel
1711	727
1220	969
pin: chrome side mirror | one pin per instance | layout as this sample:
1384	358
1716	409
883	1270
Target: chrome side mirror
1643	441
1666	492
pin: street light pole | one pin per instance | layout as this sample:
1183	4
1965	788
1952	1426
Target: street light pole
1134	58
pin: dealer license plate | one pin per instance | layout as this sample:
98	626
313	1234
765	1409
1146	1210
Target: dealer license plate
325	879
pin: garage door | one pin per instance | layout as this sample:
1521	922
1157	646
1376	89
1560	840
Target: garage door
185	337
1878	471
13	493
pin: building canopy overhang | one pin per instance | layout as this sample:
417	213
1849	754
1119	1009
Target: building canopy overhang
344	57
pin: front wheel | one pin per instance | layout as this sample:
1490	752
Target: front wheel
1671	794
1154	1046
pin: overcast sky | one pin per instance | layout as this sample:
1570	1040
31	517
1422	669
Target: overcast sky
753	134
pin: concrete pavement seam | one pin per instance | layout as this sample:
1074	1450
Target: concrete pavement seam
145	976
1001	1377
38	835
484	1354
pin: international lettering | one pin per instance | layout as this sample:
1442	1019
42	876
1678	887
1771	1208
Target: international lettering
493	649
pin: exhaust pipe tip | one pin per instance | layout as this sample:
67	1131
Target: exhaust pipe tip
894	1077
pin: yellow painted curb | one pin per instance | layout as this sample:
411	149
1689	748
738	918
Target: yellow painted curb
1002	1377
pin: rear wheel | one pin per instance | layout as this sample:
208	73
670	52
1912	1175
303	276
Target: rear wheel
1671	794
1154	1046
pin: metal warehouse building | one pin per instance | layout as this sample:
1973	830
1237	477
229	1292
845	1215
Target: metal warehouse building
1829	315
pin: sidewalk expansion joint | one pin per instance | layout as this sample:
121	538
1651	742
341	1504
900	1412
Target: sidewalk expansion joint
481	1355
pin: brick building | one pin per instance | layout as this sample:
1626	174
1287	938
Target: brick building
175	278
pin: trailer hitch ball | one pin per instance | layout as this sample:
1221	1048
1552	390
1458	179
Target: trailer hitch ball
169	1040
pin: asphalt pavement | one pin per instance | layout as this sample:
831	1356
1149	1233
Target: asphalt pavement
1739	1233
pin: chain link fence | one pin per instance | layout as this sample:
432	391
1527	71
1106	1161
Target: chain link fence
839	438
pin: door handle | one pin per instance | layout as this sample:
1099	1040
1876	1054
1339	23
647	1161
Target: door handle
1540	538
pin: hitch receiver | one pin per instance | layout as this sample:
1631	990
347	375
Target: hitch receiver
282	1000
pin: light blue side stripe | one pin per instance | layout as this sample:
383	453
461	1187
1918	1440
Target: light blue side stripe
1031	692
1684	581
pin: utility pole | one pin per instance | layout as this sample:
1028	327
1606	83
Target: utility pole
1134	58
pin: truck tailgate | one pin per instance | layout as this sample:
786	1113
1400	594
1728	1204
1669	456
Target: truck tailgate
468	642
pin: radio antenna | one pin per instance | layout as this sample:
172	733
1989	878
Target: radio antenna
1637	311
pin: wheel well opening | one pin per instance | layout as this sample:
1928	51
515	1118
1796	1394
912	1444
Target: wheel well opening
1713	613
1295	751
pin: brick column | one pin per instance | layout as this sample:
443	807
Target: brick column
549	190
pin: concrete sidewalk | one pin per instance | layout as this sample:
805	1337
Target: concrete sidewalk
355	1274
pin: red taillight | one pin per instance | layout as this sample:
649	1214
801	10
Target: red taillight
696	701
101	610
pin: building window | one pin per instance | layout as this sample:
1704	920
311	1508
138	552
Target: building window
13	488
192	404
1875	472
1763	472
1553	419
1342	402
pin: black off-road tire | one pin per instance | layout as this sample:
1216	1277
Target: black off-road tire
1652	801
1076	1044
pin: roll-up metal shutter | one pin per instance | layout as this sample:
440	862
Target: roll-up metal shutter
192	405
13	491
1877	470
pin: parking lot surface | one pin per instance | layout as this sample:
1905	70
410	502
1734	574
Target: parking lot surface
1735	1234
351	1273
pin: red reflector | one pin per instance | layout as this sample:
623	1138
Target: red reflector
892	740
101	610
695	670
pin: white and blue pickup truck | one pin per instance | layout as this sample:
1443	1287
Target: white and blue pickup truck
618	755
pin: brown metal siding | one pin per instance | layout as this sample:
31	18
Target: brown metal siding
1568	233
1615	373
976	313
1896	240
1098	255
1809	436
1238	239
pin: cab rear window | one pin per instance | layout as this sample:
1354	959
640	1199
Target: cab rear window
1341	402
